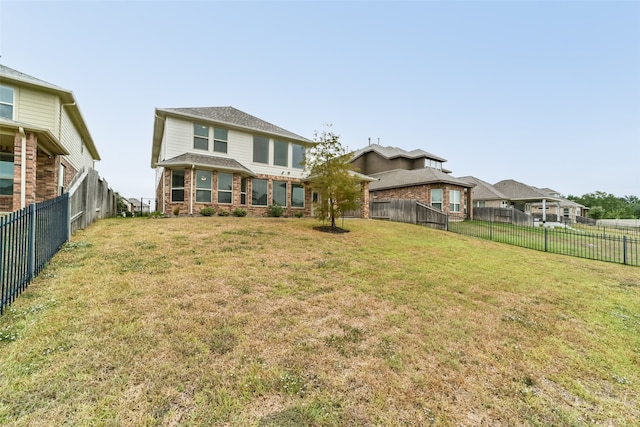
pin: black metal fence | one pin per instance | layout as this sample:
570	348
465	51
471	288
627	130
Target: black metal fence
29	238
612	247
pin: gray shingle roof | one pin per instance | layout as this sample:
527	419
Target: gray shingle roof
483	190
406	178
203	160
235	118
518	191
11	74
393	152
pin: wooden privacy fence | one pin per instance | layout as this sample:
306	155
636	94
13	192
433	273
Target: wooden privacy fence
509	215
408	210
90	199
30	237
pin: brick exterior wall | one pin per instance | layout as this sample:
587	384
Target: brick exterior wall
41	174
166	206
423	194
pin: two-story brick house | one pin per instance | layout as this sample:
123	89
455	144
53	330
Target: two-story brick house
415	175
44	141
224	158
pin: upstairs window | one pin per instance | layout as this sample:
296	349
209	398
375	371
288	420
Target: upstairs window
298	156
280	153
260	149
220	139
200	137
203	186
177	186
6	102
6	174
436	198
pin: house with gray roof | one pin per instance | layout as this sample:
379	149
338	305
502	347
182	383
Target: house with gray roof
486	195
416	174
224	158
44	140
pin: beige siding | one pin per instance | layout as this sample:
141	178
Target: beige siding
38	108
178	139
78	156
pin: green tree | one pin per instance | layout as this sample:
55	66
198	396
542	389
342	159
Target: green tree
596	212
331	176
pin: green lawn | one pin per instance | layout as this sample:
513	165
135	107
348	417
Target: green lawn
267	322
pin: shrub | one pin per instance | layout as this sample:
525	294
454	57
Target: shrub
299	214
275	210
240	212
223	212
207	211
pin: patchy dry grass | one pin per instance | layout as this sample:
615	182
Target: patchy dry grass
266	322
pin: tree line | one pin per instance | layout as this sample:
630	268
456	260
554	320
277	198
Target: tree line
603	205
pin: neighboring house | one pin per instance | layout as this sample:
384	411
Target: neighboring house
524	197
413	174
564	208
223	158
138	207
486	195
44	141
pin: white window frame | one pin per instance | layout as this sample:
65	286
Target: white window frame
200	138
301	187
437	204
455	197
278	145
266	199
11	104
262	140
202	190
273	192
178	188
225	190
219	142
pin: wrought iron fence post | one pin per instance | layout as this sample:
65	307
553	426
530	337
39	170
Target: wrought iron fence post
31	250
491	228
546	239
624	249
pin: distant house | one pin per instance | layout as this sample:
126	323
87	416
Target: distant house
224	158
522	196
485	194
413	174
563	209
44	141
138	206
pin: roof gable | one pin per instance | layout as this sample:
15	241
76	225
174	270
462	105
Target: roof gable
394	152
518	191
483	190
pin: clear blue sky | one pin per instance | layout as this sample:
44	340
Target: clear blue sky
543	92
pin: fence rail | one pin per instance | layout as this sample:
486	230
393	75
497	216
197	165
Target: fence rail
30	237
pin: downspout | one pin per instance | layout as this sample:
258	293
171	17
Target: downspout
23	169
164	196
191	191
